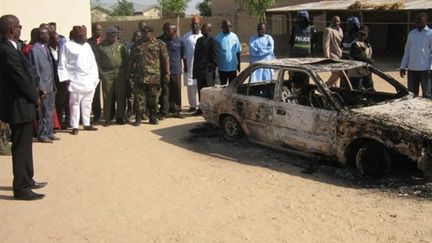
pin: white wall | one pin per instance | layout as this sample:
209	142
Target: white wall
66	13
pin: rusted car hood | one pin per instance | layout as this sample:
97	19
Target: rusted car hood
414	114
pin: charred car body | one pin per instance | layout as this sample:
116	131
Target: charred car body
294	110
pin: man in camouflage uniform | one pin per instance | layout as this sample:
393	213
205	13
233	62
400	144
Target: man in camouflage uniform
5	148
111	55
148	62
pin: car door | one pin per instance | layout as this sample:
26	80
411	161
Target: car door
254	102
301	119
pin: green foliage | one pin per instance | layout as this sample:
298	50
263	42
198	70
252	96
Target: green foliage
257	7
205	8
123	8
176	7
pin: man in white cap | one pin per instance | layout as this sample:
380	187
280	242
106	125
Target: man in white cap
77	66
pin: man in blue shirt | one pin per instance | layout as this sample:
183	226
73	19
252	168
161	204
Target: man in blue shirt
229	53
417	57
175	49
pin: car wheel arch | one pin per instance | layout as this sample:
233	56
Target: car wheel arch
360	147
354	144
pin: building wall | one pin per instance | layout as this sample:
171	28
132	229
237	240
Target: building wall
242	24
224	7
66	14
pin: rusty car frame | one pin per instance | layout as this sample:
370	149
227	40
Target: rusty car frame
295	111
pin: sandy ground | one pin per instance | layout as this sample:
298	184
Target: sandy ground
165	184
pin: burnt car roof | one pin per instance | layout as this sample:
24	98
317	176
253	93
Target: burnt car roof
315	64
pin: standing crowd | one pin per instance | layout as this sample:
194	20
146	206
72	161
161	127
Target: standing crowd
52	82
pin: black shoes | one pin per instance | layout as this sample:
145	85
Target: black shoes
178	115
54	138
45	140
120	122
74	131
197	112
162	116
154	120
28	195
192	109
38	185
90	128
138	119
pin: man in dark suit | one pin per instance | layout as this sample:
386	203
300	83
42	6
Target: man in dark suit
18	101
206	59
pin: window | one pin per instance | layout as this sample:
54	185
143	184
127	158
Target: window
260	82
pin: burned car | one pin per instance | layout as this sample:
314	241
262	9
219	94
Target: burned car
294	110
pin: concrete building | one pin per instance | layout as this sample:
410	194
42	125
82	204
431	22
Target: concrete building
66	14
389	21
152	12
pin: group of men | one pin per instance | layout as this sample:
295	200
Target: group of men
53	79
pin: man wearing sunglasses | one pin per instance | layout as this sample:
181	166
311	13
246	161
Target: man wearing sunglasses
18	101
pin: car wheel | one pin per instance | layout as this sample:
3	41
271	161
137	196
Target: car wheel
372	159
231	129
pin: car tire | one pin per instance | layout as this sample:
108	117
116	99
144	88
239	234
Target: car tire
372	159
231	129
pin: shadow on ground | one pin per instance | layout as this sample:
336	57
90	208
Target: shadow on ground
205	139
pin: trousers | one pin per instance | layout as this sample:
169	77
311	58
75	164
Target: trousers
114	91
22	156
46	123
416	78
80	104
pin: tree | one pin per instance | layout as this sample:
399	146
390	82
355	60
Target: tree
123	8
205	8
176	7
257	7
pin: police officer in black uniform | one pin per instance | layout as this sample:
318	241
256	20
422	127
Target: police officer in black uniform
350	36
302	43
303	37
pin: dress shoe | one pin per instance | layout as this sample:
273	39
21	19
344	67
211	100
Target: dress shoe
107	124
192	109
138	120
90	128
54	138
120	122
75	131
154	120
197	112
45	140
178	115
28	196
160	116
38	185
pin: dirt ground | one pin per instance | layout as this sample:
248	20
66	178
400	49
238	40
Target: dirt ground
167	184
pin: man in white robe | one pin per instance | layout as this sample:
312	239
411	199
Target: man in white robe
77	66
189	42
261	47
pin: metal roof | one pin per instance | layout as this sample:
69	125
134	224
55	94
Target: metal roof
314	64
345	4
